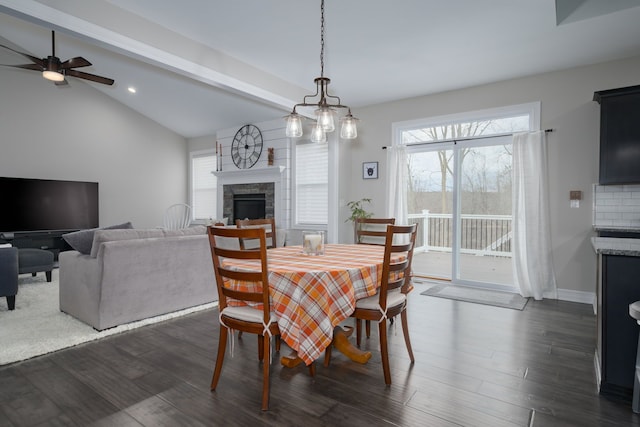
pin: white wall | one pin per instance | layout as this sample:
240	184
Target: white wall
78	133
567	107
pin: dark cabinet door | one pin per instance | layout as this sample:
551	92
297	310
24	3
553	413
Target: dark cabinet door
619	135
620	287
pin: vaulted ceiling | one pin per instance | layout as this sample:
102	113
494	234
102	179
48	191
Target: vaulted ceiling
203	65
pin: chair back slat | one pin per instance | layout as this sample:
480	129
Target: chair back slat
258	279
177	216
396	267
269	224
372	231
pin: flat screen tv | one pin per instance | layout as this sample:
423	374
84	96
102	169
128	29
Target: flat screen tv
42	205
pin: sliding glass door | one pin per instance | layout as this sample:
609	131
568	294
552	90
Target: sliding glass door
459	192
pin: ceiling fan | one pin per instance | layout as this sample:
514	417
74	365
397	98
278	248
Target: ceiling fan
55	70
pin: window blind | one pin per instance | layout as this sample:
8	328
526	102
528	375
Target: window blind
312	188
203	184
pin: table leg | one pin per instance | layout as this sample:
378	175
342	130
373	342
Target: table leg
340	342
343	345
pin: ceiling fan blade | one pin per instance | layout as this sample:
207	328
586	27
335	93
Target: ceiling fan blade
35	60
62	83
91	77
76	62
25	66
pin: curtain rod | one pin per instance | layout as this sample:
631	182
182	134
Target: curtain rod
465	139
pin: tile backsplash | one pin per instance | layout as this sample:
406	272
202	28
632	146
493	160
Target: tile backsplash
616	205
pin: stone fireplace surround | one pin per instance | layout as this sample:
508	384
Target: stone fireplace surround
266	188
270	181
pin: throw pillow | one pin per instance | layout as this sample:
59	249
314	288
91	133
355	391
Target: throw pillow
82	240
5	245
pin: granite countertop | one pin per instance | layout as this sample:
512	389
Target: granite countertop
617	228
616	246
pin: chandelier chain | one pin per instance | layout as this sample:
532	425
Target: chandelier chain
322	38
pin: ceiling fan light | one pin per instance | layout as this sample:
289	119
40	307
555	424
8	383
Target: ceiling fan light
294	125
318	134
325	118
54	76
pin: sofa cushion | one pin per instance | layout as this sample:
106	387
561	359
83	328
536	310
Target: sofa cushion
101	236
82	240
191	231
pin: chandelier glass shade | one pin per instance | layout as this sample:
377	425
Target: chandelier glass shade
326	105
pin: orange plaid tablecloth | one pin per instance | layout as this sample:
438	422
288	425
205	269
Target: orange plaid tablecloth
312	294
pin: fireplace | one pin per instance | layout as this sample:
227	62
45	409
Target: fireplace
249	206
273	182
252	201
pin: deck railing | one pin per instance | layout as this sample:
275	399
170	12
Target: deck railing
479	234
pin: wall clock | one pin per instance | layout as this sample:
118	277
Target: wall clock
246	146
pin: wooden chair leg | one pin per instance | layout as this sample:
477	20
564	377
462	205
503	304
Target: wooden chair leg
266	366
312	369
222	348
368	327
260	348
405	332
278	343
358	331
384	351
327	355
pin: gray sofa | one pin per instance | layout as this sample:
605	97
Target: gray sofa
134	274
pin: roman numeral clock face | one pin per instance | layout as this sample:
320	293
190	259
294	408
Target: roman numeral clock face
246	146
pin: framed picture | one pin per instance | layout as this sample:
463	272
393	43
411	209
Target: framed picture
370	170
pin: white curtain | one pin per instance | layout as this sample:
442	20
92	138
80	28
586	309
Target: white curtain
397	180
532	262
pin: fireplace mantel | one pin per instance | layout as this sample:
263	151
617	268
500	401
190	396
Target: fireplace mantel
246	176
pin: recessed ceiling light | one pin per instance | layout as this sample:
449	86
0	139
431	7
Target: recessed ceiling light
131	89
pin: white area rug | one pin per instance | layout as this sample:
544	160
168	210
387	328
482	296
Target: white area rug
37	326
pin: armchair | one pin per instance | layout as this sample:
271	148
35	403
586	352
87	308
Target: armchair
9	275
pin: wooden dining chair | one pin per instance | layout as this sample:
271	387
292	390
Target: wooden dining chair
259	319
387	304
269	224
370	231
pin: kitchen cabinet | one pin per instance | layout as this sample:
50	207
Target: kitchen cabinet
618	286
619	135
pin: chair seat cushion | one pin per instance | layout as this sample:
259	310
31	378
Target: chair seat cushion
247	314
371	303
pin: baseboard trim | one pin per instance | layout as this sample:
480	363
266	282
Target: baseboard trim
577	296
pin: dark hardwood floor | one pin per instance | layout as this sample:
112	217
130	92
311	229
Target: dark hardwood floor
476	365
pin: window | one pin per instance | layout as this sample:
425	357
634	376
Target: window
311	183
203	185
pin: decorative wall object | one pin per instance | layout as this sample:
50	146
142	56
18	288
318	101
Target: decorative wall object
370	170
270	156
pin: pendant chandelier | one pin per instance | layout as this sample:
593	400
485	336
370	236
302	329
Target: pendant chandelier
326	105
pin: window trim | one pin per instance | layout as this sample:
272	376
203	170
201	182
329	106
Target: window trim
530	108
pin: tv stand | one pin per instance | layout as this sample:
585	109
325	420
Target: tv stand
48	240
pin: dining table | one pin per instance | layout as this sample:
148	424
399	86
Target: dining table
312	294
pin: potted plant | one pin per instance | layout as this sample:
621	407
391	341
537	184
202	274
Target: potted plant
358	211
